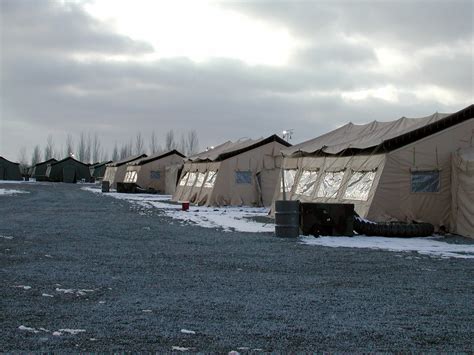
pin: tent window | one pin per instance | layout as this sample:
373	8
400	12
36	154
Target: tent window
127	177
243	177
155	175
306	183
330	184
200	179
191	179
359	185
289	175
211	179
182	182
425	181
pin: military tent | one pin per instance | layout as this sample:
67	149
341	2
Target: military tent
235	173
38	171
398	170
151	172
462	208
97	170
115	171
9	170
68	170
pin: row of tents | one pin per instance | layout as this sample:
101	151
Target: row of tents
410	169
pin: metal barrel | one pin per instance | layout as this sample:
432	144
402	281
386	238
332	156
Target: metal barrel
105	186
287	219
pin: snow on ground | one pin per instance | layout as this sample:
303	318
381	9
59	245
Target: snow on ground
236	218
17	181
228	218
432	246
12	192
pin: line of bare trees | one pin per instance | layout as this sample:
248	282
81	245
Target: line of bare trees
88	147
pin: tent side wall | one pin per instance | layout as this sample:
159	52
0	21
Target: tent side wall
249	178
153	174
109	175
332	179
428	158
119	175
462	190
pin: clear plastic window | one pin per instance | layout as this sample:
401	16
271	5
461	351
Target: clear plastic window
155	175
425	181
133	176
183	180
243	177
289	175
127	176
211	179
191	179
306	183
330	184
200	179
359	185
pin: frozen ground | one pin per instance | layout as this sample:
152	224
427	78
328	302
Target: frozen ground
242	219
84	273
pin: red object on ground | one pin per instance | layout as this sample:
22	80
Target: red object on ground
185	205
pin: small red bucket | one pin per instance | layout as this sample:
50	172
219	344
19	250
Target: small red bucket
185	205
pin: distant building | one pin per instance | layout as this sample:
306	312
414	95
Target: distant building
9	170
68	170
234	173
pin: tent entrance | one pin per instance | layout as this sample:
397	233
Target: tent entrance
69	174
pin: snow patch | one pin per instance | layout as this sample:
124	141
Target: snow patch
228	219
47	295
7	192
8	237
186	331
72	331
431	246
79	292
180	348
28	329
23	287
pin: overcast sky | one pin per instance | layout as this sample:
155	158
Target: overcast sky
226	69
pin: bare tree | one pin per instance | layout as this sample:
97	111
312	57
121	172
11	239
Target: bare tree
96	148
115	153
81	147
169	140
192	144
126	150
87	151
139	144
23	160
69	146
36	156
181	146
49	149
154	145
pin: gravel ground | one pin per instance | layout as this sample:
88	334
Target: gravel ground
145	278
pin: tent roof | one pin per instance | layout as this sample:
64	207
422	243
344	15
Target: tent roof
49	161
387	135
9	161
98	164
156	157
67	158
127	160
230	149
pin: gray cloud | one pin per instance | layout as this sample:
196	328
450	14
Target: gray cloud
47	90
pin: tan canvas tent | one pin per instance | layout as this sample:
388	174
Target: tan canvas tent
399	170
235	173
462	209
115	172
152	172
